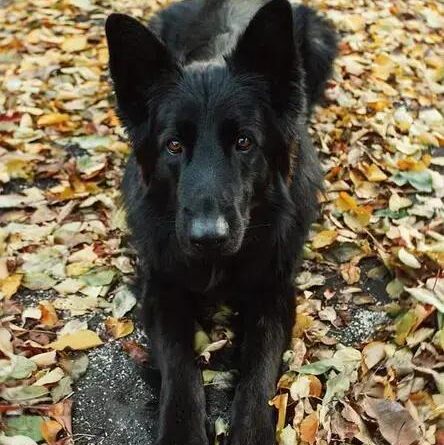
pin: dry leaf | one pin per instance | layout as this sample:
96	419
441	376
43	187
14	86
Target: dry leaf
394	421
49	316
309	428
119	328
78	341
50	429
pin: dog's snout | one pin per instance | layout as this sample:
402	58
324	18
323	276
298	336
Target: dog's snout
209	232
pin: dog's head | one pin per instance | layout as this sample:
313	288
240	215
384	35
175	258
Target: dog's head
215	135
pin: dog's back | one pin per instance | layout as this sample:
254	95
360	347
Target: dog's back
200	30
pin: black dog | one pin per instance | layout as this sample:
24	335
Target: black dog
221	188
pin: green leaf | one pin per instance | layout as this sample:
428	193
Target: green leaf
22	367
62	389
317	368
91	142
22	393
24	426
16	440
343	252
336	387
98	277
123	302
421	181
391	214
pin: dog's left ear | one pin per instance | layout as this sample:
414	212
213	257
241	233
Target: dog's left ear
267	46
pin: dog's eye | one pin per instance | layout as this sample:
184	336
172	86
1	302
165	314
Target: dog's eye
243	143
174	147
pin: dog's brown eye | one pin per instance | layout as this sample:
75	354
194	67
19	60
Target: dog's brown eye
174	147
243	143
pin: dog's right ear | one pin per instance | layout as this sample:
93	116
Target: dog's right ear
137	61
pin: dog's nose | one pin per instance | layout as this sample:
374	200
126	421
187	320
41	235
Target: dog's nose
208	232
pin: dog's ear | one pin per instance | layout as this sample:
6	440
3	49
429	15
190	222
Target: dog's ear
137	61
267	46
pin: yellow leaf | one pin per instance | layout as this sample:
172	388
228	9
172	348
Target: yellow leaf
358	218
309	428
374	173
410	321
78	268
10	285
383	66
324	238
74	43
78	341
346	202
49	315
119	328
303	323
52	119
49	430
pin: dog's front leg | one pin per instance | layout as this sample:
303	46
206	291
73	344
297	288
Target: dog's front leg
182	399
268	322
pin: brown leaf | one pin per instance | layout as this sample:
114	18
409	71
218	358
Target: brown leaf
395	423
136	351
309	428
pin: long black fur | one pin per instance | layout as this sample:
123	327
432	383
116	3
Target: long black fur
206	73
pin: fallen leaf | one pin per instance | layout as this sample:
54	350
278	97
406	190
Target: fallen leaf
309	428
394	421
78	341
408	259
137	352
51	377
50	429
49	316
324	238
24	425
119	328
373	353
74	43
52	119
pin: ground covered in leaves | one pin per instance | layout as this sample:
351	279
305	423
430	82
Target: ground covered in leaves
366	364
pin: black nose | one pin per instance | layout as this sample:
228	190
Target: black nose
208	232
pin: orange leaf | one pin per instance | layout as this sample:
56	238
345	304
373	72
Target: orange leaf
49	430
49	315
280	403
309	428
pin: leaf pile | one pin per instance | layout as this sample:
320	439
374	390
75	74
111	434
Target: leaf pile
63	264
64	271
380	144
